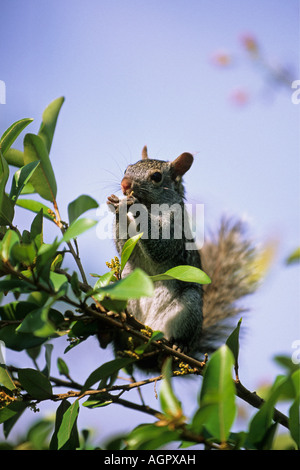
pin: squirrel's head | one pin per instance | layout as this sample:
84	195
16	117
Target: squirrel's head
156	181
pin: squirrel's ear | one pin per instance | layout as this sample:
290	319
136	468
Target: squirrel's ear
182	164
145	153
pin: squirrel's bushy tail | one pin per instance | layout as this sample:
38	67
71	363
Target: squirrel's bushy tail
228	257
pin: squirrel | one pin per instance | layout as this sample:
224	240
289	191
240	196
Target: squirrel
193	317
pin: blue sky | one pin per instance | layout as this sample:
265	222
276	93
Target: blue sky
136	73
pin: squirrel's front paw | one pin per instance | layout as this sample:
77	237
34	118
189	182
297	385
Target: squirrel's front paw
113	202
131	200
178	346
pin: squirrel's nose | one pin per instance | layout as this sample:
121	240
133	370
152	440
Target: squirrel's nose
126	185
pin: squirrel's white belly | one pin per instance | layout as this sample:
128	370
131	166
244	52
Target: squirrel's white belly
158	312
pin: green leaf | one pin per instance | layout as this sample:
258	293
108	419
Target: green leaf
294	418
202	415
65	435
57	262
169	402
6	204
16	310
25	238
12	133
67	425
28	189
18	408
9	240
81	331
43	179
106	370
80	205
24	253
20	178
14	157
38	298
218	390
184	273
294	421
62	367
16	285
37	322
59	282
35	206
113	305
38	434
47	251
97	401
287	363
262	420
19	341
49	120
233	344
295	377
5	379
128	248
48	353
267	442
14	410
44	260
294	257
150	437
75	284
6	210
77	228
36	230
155	336
103	281
35	383
135	285
4	172
34	353
238	439
284	441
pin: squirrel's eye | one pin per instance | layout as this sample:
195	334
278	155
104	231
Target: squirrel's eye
156	177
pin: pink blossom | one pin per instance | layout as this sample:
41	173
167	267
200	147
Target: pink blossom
221	59
239	97
249	42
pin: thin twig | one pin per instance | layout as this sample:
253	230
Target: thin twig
256	401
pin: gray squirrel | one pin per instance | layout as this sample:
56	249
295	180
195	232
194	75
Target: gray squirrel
191	316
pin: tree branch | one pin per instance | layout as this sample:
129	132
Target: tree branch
256	401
